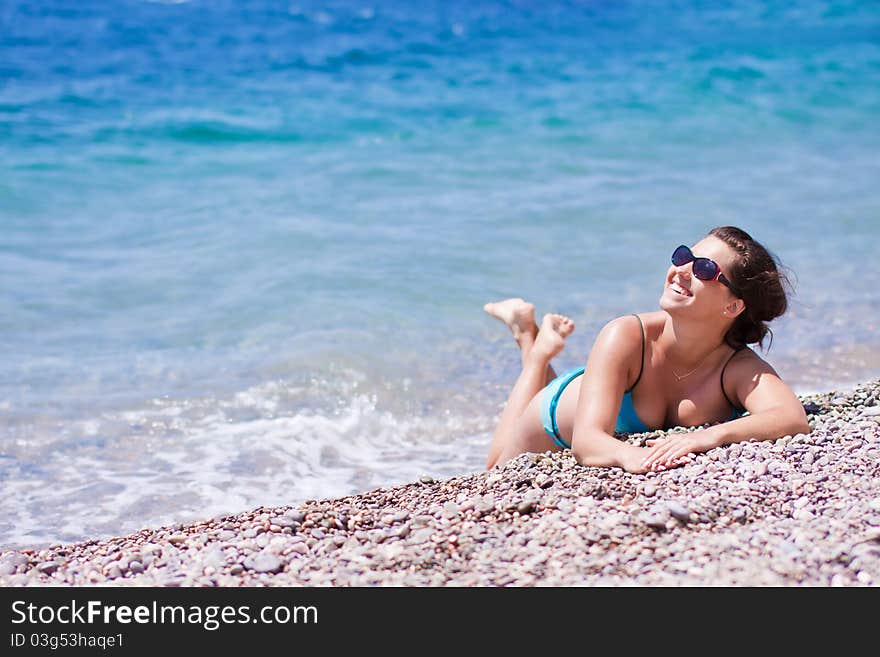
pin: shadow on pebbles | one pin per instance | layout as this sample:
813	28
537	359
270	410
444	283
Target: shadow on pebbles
801	510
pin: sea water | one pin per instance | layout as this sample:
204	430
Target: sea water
245	246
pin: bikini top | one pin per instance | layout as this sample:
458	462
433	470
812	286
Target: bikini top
628	420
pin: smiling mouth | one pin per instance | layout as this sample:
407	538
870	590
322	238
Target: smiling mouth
679	290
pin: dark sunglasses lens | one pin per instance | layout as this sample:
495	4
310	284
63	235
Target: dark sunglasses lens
681	256
705	269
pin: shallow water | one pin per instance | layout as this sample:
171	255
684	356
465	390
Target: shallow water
245	249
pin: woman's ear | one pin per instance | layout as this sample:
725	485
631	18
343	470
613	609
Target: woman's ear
734	308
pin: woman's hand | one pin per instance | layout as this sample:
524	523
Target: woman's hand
678	449
631	458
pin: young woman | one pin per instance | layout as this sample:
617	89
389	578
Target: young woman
684	365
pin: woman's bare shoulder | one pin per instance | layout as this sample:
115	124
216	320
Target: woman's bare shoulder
616	355
624	329
747	362
746	372
620	336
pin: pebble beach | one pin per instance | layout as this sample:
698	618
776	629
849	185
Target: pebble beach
247	245
803	510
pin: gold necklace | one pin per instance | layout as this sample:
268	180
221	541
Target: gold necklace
684	376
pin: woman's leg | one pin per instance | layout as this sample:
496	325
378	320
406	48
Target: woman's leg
532	379
519	316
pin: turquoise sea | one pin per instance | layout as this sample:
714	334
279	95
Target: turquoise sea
245	245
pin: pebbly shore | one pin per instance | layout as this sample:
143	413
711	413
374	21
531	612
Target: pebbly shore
801	510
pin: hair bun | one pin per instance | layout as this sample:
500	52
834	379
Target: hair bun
763	286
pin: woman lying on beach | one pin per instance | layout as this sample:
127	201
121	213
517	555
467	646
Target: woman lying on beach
684	365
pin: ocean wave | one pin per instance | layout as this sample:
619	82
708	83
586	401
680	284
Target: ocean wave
199	132
212	132
178	460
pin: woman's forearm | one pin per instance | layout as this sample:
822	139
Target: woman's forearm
596	448
768	424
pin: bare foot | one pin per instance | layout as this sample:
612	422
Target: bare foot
551	337
517	314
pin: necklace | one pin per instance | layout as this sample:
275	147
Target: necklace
684	376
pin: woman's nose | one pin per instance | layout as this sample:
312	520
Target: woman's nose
685	269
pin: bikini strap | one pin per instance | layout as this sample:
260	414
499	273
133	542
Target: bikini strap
722	377
642	368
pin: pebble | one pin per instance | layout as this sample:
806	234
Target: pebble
679	511
285	521
265	563
654	521
421	536
776	467
565	505
48	567
525	507
494	479
802	514
485	505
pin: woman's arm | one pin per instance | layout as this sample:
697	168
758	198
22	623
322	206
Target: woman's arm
615	358
774	411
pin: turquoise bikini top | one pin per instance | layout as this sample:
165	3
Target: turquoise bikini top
628	420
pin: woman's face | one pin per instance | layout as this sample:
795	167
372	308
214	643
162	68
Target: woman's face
683	290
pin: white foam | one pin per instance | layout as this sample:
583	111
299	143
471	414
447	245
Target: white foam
191	459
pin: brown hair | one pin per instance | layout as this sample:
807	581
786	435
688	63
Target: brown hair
758	281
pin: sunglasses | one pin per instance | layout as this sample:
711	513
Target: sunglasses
704	268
